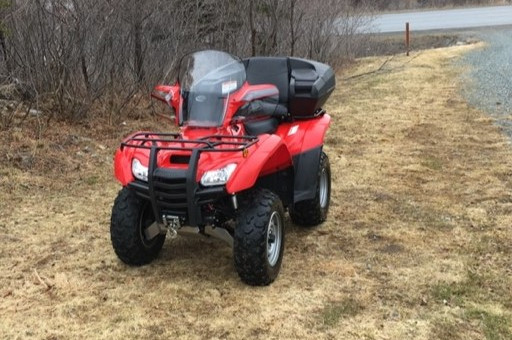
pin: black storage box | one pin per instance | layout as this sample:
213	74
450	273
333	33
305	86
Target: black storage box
311	83
304	85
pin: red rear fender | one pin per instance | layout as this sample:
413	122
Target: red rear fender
304	135
315	133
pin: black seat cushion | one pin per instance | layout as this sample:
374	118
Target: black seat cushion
255	127
270	70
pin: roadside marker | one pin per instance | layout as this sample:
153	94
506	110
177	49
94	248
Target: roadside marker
407	37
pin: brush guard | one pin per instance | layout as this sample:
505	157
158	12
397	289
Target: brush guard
175	193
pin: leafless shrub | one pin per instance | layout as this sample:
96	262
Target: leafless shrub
86	56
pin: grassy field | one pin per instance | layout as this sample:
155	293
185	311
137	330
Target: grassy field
417	245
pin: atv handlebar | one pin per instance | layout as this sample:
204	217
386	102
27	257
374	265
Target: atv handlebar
262	108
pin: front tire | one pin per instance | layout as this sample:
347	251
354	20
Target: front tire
313	212
259	239
130	217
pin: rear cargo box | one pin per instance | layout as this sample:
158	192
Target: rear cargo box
311	84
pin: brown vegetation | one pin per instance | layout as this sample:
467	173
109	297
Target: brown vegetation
417	244
75	57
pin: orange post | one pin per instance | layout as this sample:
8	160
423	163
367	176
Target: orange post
407	36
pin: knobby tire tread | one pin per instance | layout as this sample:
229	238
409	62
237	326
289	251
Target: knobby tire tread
125	233
250	241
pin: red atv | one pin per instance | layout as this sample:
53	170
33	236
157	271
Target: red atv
249	147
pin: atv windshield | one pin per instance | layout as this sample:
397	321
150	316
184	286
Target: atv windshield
207	79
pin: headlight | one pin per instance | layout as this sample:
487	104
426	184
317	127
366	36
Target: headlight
139	171
219	176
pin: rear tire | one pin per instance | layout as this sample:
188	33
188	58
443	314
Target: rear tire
130	216
313	212
259	239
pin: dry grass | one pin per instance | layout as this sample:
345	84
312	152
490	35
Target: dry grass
417	245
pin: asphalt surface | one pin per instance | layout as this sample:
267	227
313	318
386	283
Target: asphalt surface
444	19
488	86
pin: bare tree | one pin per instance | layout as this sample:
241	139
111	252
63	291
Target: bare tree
83	56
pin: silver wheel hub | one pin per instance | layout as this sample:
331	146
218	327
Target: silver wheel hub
323	189
274	238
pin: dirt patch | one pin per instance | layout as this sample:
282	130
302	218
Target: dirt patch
416	246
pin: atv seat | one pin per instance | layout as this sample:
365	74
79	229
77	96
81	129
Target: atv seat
268	70
304	86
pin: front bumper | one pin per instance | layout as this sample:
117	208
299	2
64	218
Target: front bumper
175	191
170	194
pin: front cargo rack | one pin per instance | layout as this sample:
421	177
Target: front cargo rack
209	143
175	192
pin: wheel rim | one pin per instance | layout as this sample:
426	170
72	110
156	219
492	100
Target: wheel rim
274	238
324	189
145	220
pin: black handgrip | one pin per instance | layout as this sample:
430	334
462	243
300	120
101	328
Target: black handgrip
259	107
280	111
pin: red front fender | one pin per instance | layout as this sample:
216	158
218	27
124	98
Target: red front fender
122	167
270	156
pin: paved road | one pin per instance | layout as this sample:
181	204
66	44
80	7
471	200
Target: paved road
444	19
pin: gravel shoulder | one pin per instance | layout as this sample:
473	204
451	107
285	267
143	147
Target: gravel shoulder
488	84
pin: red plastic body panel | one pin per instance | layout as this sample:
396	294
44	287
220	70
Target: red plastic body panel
270	154
169	95
122	167
245	94
303	135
